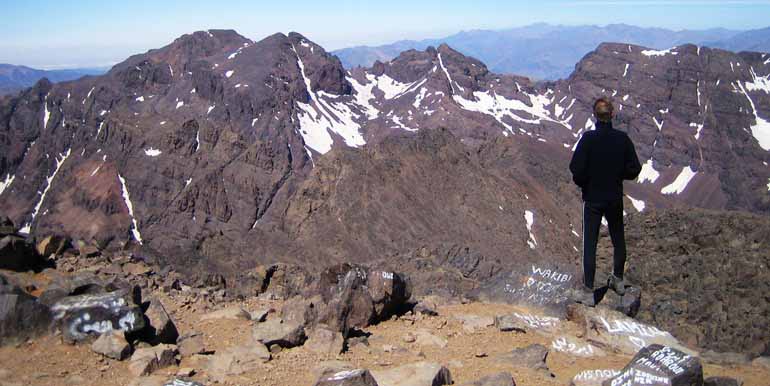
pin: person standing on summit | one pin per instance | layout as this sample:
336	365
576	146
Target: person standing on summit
604	157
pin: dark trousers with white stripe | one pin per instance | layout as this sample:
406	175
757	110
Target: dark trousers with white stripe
592	218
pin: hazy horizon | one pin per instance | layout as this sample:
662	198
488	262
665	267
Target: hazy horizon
47	34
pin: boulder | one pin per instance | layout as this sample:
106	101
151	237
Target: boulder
147	360
721	381
232	313
530	357
356	377
614	331
389	291
324	340
276	331
660	365
159	327
576	347
499	379
593	377
21	316
112	344
81	283
425	338
536	286
16	254
415	374
763	361
191	344
426	306
236	360
84	316
283	281
52	244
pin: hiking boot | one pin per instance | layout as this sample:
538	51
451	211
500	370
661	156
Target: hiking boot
617	284
584	296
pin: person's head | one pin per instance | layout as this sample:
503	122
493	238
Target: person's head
603	110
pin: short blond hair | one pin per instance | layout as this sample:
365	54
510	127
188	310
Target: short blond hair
603	110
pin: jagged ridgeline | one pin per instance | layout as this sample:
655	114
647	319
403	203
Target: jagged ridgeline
220	153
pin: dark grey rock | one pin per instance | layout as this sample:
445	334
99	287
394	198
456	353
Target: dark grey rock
660	365
21	316
531	357
721	381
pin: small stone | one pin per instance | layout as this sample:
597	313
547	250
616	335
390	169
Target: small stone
260	315
237	360
425	338
185	372
531	357
276	331
192	344
480	354
409	338
112	344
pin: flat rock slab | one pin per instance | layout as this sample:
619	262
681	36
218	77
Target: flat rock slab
145	361
415	374
279	332
356	377
525	322
530	357
85	316
181	382
473	323
500	379
658	365
191	344
616	332
231	313
112	344
593	377
576	347
237	360
425	338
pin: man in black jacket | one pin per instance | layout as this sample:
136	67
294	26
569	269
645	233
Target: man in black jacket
604	157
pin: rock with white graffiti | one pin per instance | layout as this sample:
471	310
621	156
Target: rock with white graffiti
537	286
593	377
659	365
576	347
356	377
525	322
86	316
614	331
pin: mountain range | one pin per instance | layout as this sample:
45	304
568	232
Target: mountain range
14	78
217	153
545	51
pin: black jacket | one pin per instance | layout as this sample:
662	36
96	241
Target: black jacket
603	159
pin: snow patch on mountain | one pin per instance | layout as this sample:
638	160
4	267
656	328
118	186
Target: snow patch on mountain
59	162
130	206
761	127
5	184
648	173
46	113
638	204
152	152
659	52
529	217
680	183
363	96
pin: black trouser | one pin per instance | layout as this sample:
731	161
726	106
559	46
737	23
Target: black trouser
592	218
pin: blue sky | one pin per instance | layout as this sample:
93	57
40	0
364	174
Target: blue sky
60	34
